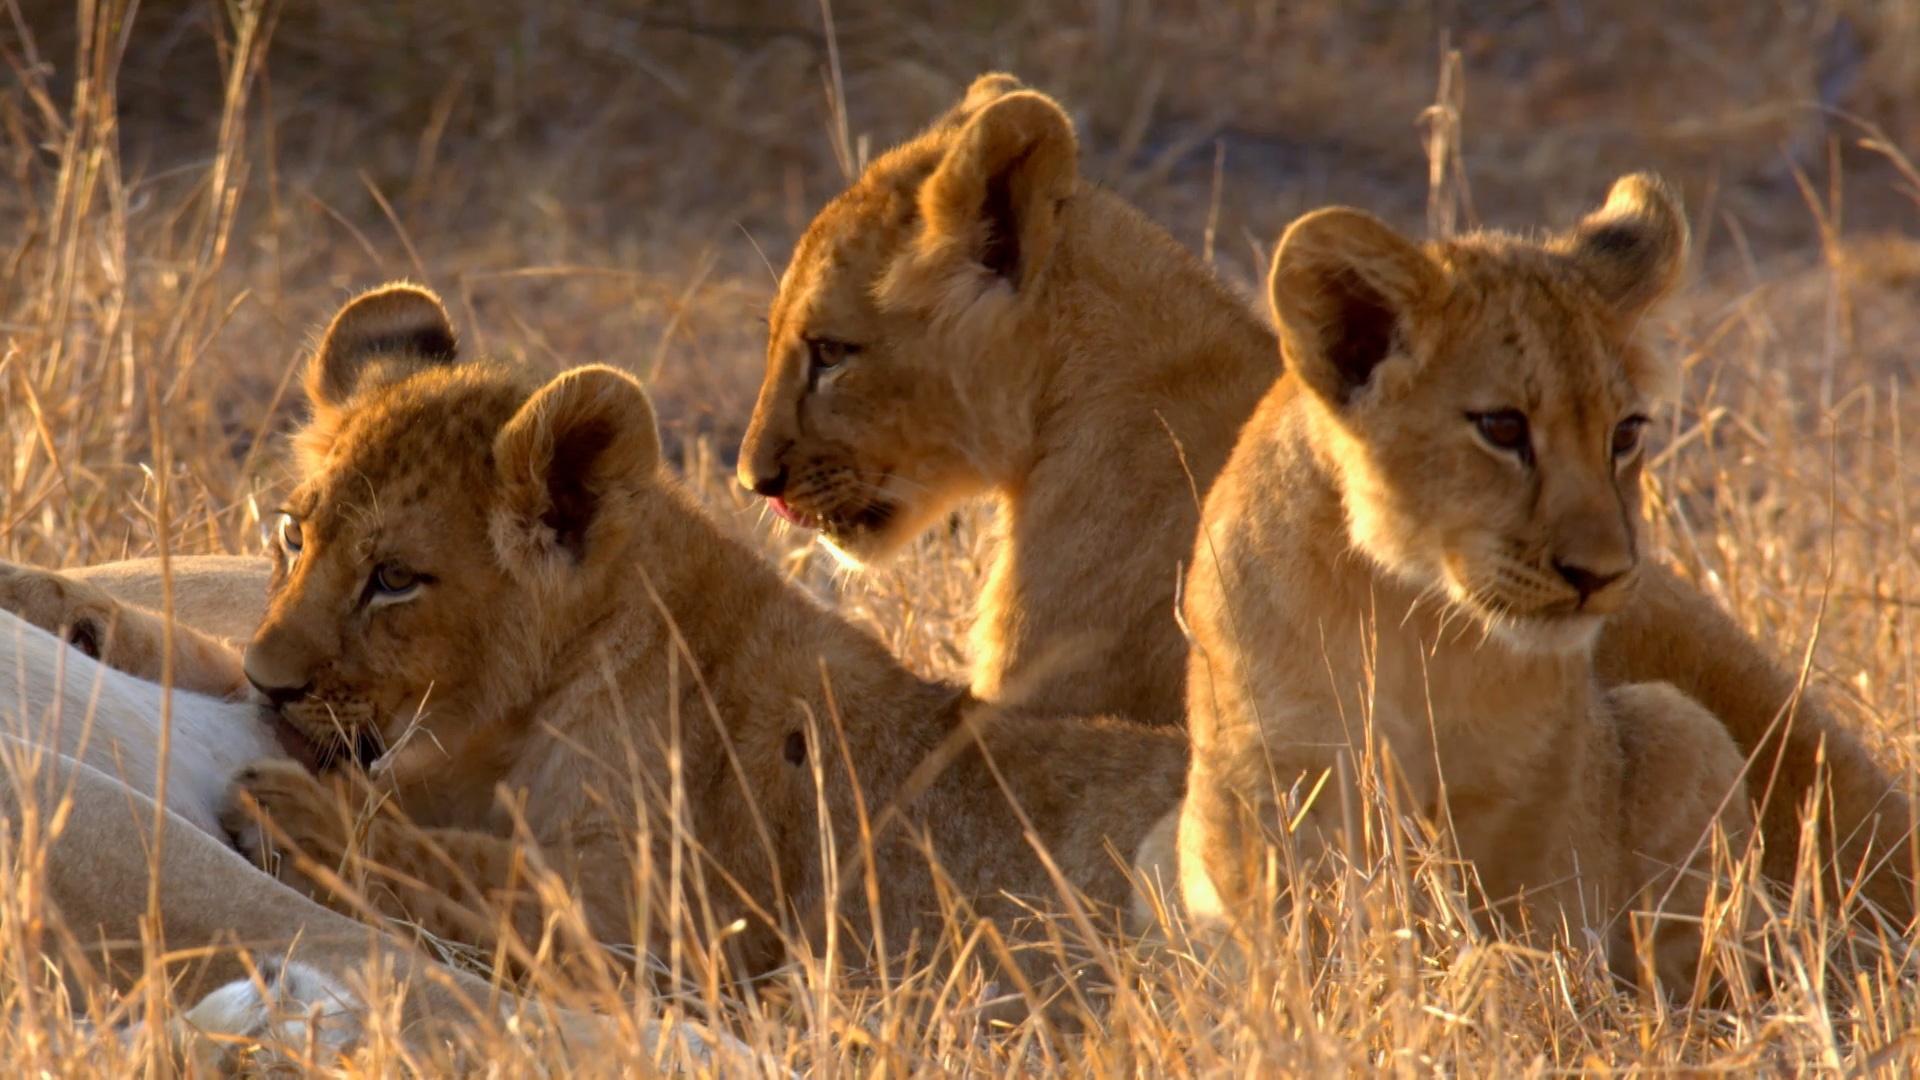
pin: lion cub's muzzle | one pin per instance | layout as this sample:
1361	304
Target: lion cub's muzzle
1545	601
288	669
1563	589
336	728
839	499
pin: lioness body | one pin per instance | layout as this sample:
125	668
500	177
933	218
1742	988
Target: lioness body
1059	373
224	596
1409	555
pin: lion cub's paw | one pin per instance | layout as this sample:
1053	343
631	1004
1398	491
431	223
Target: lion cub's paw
276	807
82	613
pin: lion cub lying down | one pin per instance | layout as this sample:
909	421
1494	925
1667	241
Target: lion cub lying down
496	587
1416	541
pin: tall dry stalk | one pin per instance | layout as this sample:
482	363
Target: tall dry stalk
1449	201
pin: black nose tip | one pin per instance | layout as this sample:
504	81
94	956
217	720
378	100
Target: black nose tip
771	486
280	695
1584	581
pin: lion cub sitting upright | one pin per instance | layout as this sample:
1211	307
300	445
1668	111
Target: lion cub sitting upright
1417	547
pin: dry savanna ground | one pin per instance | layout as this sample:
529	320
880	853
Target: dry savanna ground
192	185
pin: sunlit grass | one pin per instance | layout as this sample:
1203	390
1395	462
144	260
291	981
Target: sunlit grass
581	190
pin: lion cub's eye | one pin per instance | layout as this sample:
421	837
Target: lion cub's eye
393	581
290	537
1505	429
826	354
1626	436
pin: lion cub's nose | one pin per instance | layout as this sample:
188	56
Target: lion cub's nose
278	687
767	484
279	695
1588	580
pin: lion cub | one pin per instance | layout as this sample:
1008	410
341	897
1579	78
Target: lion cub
1412	550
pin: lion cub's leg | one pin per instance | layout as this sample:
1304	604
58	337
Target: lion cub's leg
1682	776
336	839
124	637
1223	839
1156	866
326	837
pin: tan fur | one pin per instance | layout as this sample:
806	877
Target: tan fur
1095	350
1066	406
578	628
127	636
220	595
1372	569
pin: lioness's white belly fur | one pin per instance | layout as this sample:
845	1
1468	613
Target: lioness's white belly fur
56	699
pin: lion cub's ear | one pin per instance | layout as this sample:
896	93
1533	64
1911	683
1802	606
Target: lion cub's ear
1347	292
1633	248
988	87
992	205
574	450
391	330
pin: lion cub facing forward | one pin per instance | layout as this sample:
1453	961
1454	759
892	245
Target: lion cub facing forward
1415	543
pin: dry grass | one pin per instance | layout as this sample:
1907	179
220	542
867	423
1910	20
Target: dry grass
189	193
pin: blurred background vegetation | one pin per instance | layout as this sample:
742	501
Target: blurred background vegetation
670	151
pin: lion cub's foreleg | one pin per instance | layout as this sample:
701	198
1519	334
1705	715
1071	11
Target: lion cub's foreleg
328	837
121	636
1681	776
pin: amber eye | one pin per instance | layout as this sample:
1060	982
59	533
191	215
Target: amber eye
1505	429
290	537
1626	436
392	579
827	354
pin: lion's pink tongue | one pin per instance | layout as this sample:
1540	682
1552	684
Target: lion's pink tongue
787	513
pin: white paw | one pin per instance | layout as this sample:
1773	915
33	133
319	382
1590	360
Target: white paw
301	1017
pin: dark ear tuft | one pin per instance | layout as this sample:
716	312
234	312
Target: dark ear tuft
400	324
579	441
1344	286
1633	248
